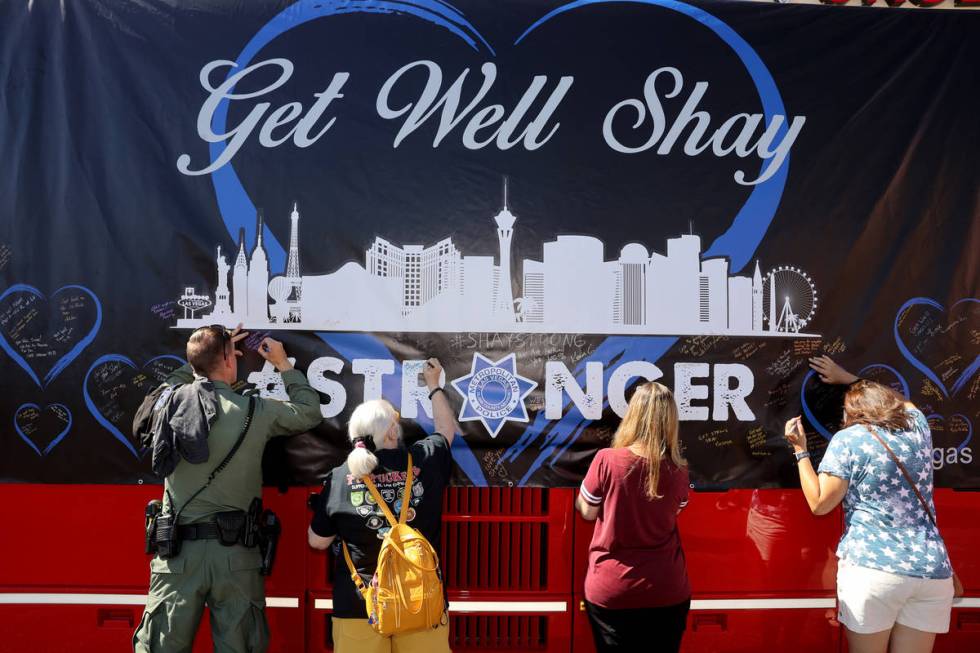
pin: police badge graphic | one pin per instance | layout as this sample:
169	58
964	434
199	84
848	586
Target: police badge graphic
493	393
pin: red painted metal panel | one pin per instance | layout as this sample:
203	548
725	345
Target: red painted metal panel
75	628
751	631
759	543
109	629
289	575
963	635
499	544
958	514
57	526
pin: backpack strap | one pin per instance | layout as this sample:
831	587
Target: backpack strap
356	577
379	500
407	497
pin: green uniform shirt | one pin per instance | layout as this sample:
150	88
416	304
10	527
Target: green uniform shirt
241	481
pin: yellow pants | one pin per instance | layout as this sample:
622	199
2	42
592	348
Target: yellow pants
356	636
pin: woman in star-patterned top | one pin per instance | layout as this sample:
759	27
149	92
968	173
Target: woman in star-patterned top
894	578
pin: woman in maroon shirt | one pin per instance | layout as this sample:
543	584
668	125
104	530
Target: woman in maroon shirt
636	586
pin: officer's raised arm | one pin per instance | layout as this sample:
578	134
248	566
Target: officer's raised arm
302	411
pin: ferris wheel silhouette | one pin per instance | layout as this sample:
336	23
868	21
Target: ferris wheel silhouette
790	298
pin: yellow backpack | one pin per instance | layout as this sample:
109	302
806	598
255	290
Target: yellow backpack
405	594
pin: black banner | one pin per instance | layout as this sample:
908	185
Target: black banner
556	199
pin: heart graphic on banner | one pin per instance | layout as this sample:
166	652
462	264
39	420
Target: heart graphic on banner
42	428
957	423
884	374
738	242
924	334
114	387
44	335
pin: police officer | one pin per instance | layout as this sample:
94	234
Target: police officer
205	572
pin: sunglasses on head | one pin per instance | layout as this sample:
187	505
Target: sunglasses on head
220	331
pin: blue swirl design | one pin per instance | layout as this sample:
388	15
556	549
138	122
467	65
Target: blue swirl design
738	243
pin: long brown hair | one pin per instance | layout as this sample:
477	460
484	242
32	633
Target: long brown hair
651	423
873	404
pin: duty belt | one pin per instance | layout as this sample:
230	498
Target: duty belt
205	531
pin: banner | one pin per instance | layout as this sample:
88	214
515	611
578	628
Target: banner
558	200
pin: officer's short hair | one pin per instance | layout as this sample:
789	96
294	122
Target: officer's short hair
207	348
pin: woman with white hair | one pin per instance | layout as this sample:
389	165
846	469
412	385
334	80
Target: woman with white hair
346	510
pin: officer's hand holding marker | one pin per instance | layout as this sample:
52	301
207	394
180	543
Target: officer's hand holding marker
273	351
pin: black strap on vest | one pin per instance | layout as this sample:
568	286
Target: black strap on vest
224	463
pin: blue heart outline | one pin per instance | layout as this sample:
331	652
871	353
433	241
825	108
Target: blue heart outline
57	439
94	410
969	424
72	354
815	423
964	376
738	242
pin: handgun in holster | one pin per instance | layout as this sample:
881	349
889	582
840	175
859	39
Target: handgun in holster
269	530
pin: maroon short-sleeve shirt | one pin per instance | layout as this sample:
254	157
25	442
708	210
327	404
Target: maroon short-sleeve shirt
635	559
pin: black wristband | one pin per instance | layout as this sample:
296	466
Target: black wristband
434	391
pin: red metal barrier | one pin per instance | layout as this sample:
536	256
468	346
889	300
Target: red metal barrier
514	560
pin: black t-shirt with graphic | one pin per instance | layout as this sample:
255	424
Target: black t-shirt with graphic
347	509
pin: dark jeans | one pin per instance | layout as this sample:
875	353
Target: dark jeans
653	630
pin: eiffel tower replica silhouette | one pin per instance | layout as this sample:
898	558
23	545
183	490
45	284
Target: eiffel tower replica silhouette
293	276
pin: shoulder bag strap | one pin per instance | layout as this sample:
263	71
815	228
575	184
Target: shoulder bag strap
224	463
905	473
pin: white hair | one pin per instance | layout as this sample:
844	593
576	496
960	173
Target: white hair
372	418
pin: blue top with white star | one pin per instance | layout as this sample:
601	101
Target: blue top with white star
885	525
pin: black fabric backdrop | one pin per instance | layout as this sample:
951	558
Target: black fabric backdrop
101	232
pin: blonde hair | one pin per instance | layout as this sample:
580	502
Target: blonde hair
371	419
651	424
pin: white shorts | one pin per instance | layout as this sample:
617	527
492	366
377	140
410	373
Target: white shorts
871	601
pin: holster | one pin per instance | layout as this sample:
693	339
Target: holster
269	530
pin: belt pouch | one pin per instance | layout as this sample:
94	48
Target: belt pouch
167	537
230	525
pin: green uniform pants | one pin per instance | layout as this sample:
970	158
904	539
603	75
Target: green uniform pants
226	579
